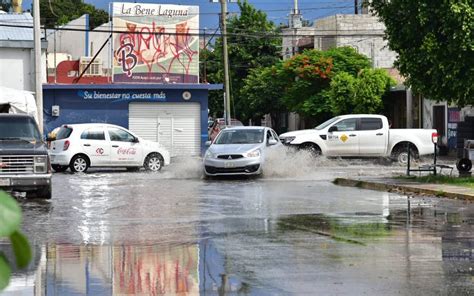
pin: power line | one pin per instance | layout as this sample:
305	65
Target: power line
314	32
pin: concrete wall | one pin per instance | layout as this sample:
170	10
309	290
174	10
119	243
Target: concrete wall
363	32
17	68
96	40
69	42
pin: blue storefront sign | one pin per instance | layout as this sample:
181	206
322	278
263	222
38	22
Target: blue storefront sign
110	103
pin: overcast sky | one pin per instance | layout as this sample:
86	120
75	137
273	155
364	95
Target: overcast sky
277	10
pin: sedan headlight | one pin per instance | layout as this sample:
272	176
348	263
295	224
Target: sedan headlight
255	153
41	164
287	140
209	154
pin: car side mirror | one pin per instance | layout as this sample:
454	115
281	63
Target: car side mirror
136	140
272	142
332	129
208	143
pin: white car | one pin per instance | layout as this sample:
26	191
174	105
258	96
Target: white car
80	146
239	151
362	135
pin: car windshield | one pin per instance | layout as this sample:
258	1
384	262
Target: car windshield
19	128
240	136
326	123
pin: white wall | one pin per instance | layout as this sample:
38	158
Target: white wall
70	42
17	68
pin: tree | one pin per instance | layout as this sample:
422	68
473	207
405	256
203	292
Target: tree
309	76
262	93
317	84
434	40
60	12
252	44
359	94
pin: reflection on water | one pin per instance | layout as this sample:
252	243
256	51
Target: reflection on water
245	238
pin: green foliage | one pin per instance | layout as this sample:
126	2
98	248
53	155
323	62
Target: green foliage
60	12
10	220
359	94
318	84
435	43
309	77
246	52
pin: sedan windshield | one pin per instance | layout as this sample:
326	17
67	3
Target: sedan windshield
18	128
240	136
326	123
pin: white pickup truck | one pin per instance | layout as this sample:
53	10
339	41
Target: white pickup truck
362	135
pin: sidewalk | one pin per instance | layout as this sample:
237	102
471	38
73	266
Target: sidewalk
407	186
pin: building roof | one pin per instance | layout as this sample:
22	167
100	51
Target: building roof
16	34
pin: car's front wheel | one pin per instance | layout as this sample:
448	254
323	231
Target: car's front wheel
79	164
59	168
153	162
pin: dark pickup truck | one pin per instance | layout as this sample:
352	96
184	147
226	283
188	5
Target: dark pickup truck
24	159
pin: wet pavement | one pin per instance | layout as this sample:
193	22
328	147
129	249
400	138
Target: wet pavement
112	232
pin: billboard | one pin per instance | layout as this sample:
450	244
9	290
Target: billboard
155	43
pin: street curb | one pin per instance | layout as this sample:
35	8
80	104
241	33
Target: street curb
404	188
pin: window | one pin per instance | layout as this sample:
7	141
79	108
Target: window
120	135
346	125
12	127
63	133
275	135
370	124
92	134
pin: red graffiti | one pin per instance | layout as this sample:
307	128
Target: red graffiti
153	47
127	151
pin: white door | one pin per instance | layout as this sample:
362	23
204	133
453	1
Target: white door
95	146
372	137
176	126
124	150
344	141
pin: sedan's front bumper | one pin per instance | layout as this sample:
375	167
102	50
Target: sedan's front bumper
242	166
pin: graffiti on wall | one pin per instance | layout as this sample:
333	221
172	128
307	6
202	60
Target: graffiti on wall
156	43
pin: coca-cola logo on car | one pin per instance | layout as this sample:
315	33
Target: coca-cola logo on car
127	151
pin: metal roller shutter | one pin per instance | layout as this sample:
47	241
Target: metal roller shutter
177	126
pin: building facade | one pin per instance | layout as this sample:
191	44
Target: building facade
17	59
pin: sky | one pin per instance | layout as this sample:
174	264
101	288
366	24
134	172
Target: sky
277	10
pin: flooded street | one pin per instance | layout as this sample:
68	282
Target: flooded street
112	232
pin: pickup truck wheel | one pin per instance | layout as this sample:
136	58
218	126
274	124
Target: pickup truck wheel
401	155
59	168
153	162
41	192
79	164
313	149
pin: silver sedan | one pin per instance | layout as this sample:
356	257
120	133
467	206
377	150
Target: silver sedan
239	151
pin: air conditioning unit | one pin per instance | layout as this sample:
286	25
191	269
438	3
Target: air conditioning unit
95	68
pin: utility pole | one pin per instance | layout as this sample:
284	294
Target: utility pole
356	7
226	61
37	47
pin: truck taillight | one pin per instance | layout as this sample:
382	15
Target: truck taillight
66	145
434	138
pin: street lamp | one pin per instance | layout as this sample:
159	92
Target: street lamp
225	54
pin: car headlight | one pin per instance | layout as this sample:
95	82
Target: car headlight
287	140
209	154
41	164
255	153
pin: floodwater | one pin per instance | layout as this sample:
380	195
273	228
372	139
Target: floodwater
113	232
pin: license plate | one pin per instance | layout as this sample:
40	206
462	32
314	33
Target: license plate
229	164
4	181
